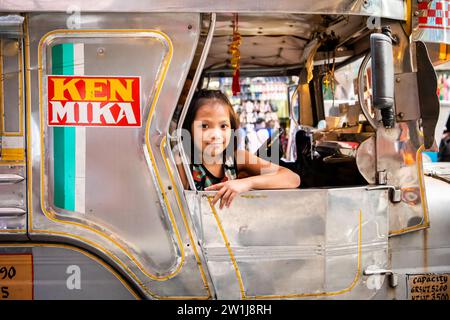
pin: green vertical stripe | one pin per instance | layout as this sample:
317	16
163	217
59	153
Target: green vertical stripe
64	137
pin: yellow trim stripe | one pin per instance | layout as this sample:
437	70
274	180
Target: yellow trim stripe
300	295
202	272
409	17
13	231
426	222
89	255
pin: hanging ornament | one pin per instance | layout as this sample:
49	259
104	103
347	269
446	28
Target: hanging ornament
235	56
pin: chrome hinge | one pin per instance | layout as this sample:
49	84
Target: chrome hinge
395	194
393	277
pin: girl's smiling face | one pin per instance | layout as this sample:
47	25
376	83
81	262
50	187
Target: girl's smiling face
211	128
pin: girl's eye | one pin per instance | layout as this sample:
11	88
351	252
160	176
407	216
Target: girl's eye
224	126
204	126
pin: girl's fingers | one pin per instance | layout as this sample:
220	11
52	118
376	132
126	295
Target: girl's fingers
224	198
219	195
230	199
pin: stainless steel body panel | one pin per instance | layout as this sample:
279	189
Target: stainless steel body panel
310	245
423	251
399	158
67	273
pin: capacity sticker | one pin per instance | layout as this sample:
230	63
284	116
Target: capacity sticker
16	276
429	286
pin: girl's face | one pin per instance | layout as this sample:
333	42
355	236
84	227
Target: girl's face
211	128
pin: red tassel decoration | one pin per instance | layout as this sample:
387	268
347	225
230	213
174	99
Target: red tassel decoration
235	86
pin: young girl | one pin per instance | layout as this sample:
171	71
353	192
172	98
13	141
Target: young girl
216	164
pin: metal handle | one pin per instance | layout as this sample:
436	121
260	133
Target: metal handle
395	194
393	277
10	178
11	212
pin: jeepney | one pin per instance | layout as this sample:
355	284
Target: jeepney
91	201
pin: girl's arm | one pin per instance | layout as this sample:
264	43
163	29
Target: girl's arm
263	175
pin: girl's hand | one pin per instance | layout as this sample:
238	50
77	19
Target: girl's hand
228	190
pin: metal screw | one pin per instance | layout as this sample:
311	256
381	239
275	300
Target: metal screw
397	80
189	27
101	51
401	115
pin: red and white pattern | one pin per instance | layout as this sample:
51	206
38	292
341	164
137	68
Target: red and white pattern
434	15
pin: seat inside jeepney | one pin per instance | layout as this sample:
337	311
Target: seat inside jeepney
306	46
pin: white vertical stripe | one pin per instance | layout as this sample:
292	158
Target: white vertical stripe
80	141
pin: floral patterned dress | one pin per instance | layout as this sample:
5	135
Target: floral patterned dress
203	178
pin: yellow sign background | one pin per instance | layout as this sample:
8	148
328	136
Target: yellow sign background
16	276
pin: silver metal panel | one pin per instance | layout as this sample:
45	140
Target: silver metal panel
399	157
407	97
428	250
384	8
11	86
65	273
293	243
132	220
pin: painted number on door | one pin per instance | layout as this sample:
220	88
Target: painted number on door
16	277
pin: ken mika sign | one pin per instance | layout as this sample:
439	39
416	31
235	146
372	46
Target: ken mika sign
92	101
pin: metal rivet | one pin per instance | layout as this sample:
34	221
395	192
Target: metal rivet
189	27
398	80
101	51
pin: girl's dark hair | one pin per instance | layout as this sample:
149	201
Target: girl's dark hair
199	99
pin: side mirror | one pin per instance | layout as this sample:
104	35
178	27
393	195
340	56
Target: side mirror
383	75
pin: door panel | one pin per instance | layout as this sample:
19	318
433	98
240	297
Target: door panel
294	244
101	185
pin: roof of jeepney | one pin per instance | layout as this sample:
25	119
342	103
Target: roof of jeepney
394	9
280	40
